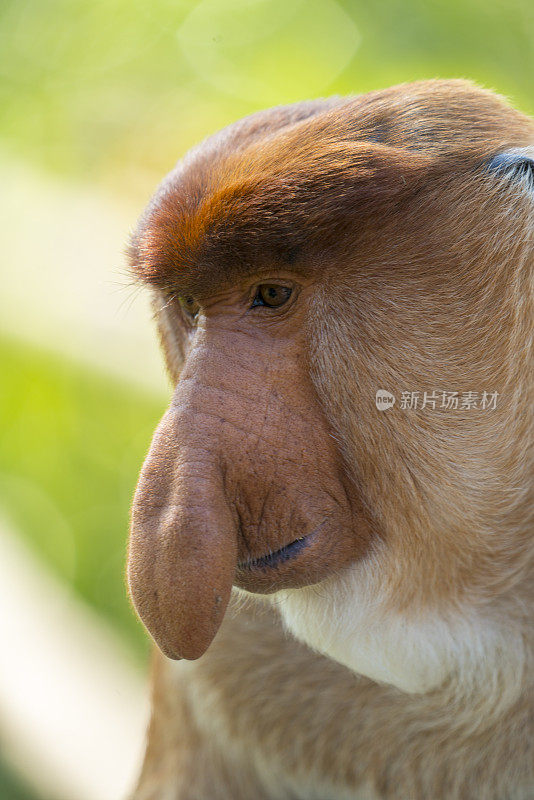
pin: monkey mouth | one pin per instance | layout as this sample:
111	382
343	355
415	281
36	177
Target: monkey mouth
277	557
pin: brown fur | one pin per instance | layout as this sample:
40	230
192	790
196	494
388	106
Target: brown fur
287	723
415	268
295	193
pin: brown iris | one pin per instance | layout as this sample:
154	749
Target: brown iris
271	295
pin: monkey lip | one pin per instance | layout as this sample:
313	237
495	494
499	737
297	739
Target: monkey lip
278	556
299	563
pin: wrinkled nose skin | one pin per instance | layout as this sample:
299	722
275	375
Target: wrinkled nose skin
241	466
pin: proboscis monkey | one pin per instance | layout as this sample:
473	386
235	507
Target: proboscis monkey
306	263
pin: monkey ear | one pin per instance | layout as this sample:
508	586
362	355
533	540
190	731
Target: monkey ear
516	164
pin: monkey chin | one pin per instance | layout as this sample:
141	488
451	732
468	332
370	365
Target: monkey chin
467	650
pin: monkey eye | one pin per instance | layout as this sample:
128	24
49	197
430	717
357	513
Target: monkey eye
271	295
190	306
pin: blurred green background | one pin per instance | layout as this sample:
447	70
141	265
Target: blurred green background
113	91
101	98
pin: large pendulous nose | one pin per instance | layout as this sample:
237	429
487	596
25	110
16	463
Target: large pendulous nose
183	542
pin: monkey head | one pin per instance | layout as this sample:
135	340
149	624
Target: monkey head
301	260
